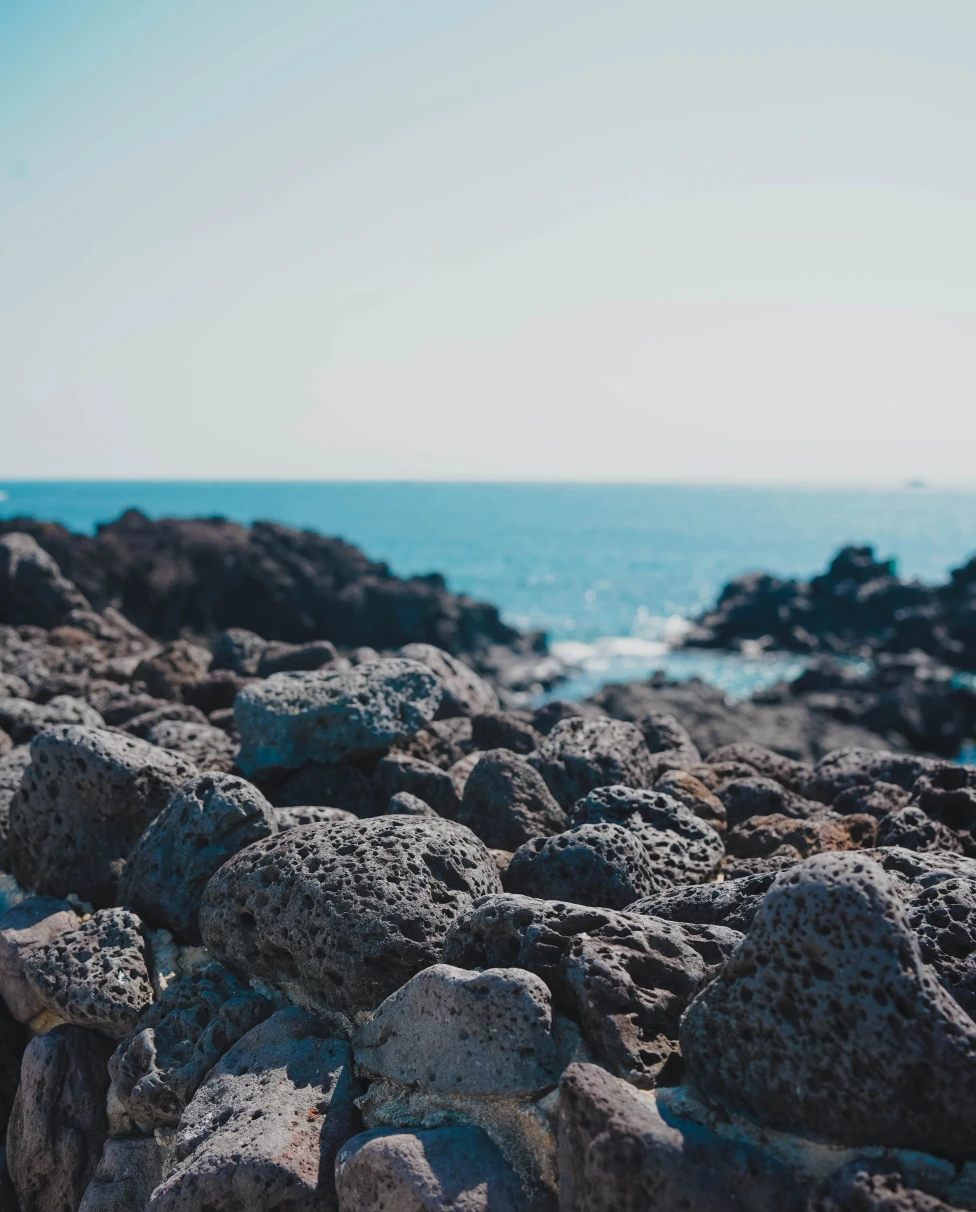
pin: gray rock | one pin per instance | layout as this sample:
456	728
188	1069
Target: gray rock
943	919
668	742
23	720
310	814
400	772
861	1187
58	1122
83	802
759	796
580	755
853	767
683	786
501	730
913	829
683	848
12	767
948	795
96	975
158	1067
456	1168
176	666
263	1130
791	774
294	718
342	915
207	747
207	820
32	587
6	744
830	981
506	802
911	870
13	687
405	804
733	903
238	650
603	864
129	1171
876	799
33	923
464	692
278	657
13	1041
337	785
456	1032
143	723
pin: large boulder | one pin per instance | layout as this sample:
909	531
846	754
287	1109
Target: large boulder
344	914
83	802
32	587
464	692
506	802
207	820
293	718
579	755
827	1023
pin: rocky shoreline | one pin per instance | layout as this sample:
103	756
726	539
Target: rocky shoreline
309	916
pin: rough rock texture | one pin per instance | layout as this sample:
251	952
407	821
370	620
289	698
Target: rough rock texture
263	1130
405	804
207	747
238	650
830	981
683	848
694	794
129	1170
733	902
771	765
58	1122
157	1068
913	829
208	819
13	1041
293	718
400	772
342	915
506	802
843	768
760	836
759	796
310	814
579	755
943	918
32	587
502	730
84	800
876	799
96	975
23	720
600	864
455	1168
464	692
859	1187
168	673
335	785
668	742
12	767
33	923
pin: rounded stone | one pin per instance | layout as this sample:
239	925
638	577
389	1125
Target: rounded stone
506	802
579	755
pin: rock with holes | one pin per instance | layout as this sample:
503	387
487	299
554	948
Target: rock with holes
33	923
23	719
913	829
129	1171
942	916
506	802
157	1068
83	802
692	792
392	1170
761	836
293	718
876	799
601	864
861	1186
400	772
263	1130
464	692
948	795
758	796
830	981
58	1122
209	748
405	804
12	767
843	768
208	819
175	667
342	915
789	773
668	742
310	814
733	902
579	755
683	848
96	975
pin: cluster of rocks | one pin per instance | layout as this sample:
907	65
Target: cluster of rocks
295	927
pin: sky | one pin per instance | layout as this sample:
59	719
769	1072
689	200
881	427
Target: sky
474	239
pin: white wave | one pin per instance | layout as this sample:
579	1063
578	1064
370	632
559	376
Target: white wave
607	648
3	495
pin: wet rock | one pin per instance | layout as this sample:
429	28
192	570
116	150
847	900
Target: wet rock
829	981
278	657
501	730
96	975
342	915
83	802
789	773
23	720
32	587
733	902
34	922
129	1170
294	718
683	848
844	768
876	799
943	919
405	804
208	819
758	796
580	755
606	865
506	802
336	785
178	665
912	829
389	1170
263	1130
761	836
692	792
310	814
207	747
157	1068
398	772
464	692
58	1122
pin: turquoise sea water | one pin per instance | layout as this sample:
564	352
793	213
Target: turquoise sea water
609	571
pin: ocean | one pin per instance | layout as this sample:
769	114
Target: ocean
610	571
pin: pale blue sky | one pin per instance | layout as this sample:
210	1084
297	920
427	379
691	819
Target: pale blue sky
531	240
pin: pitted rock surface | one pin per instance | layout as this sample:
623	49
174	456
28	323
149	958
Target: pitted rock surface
858	1187
830	981
692	792
506	802
580	755
310	814
876	799
157	1068
758	796
263	1130
948	795
12	767
770	765
683	848
207	747
400	772
83	802
458	1032
33	923
342	915
605	865
176	666
464	692
208	819
23	719
668	742
943	919
293	718
913	829
910	870
96	975
843	768
733	902
762	836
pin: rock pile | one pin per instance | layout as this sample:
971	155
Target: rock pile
315	928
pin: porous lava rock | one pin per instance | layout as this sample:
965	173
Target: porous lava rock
602	864
23	720
174	667
342	915
693	793
733	902
913	829
761	836
32	923
464	692
506	802
759	796
943	919
128	1172
826	1022
310	814
293	718
208	819
579	755
400	772
853	767
502	730
789	773
83	802
209	748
